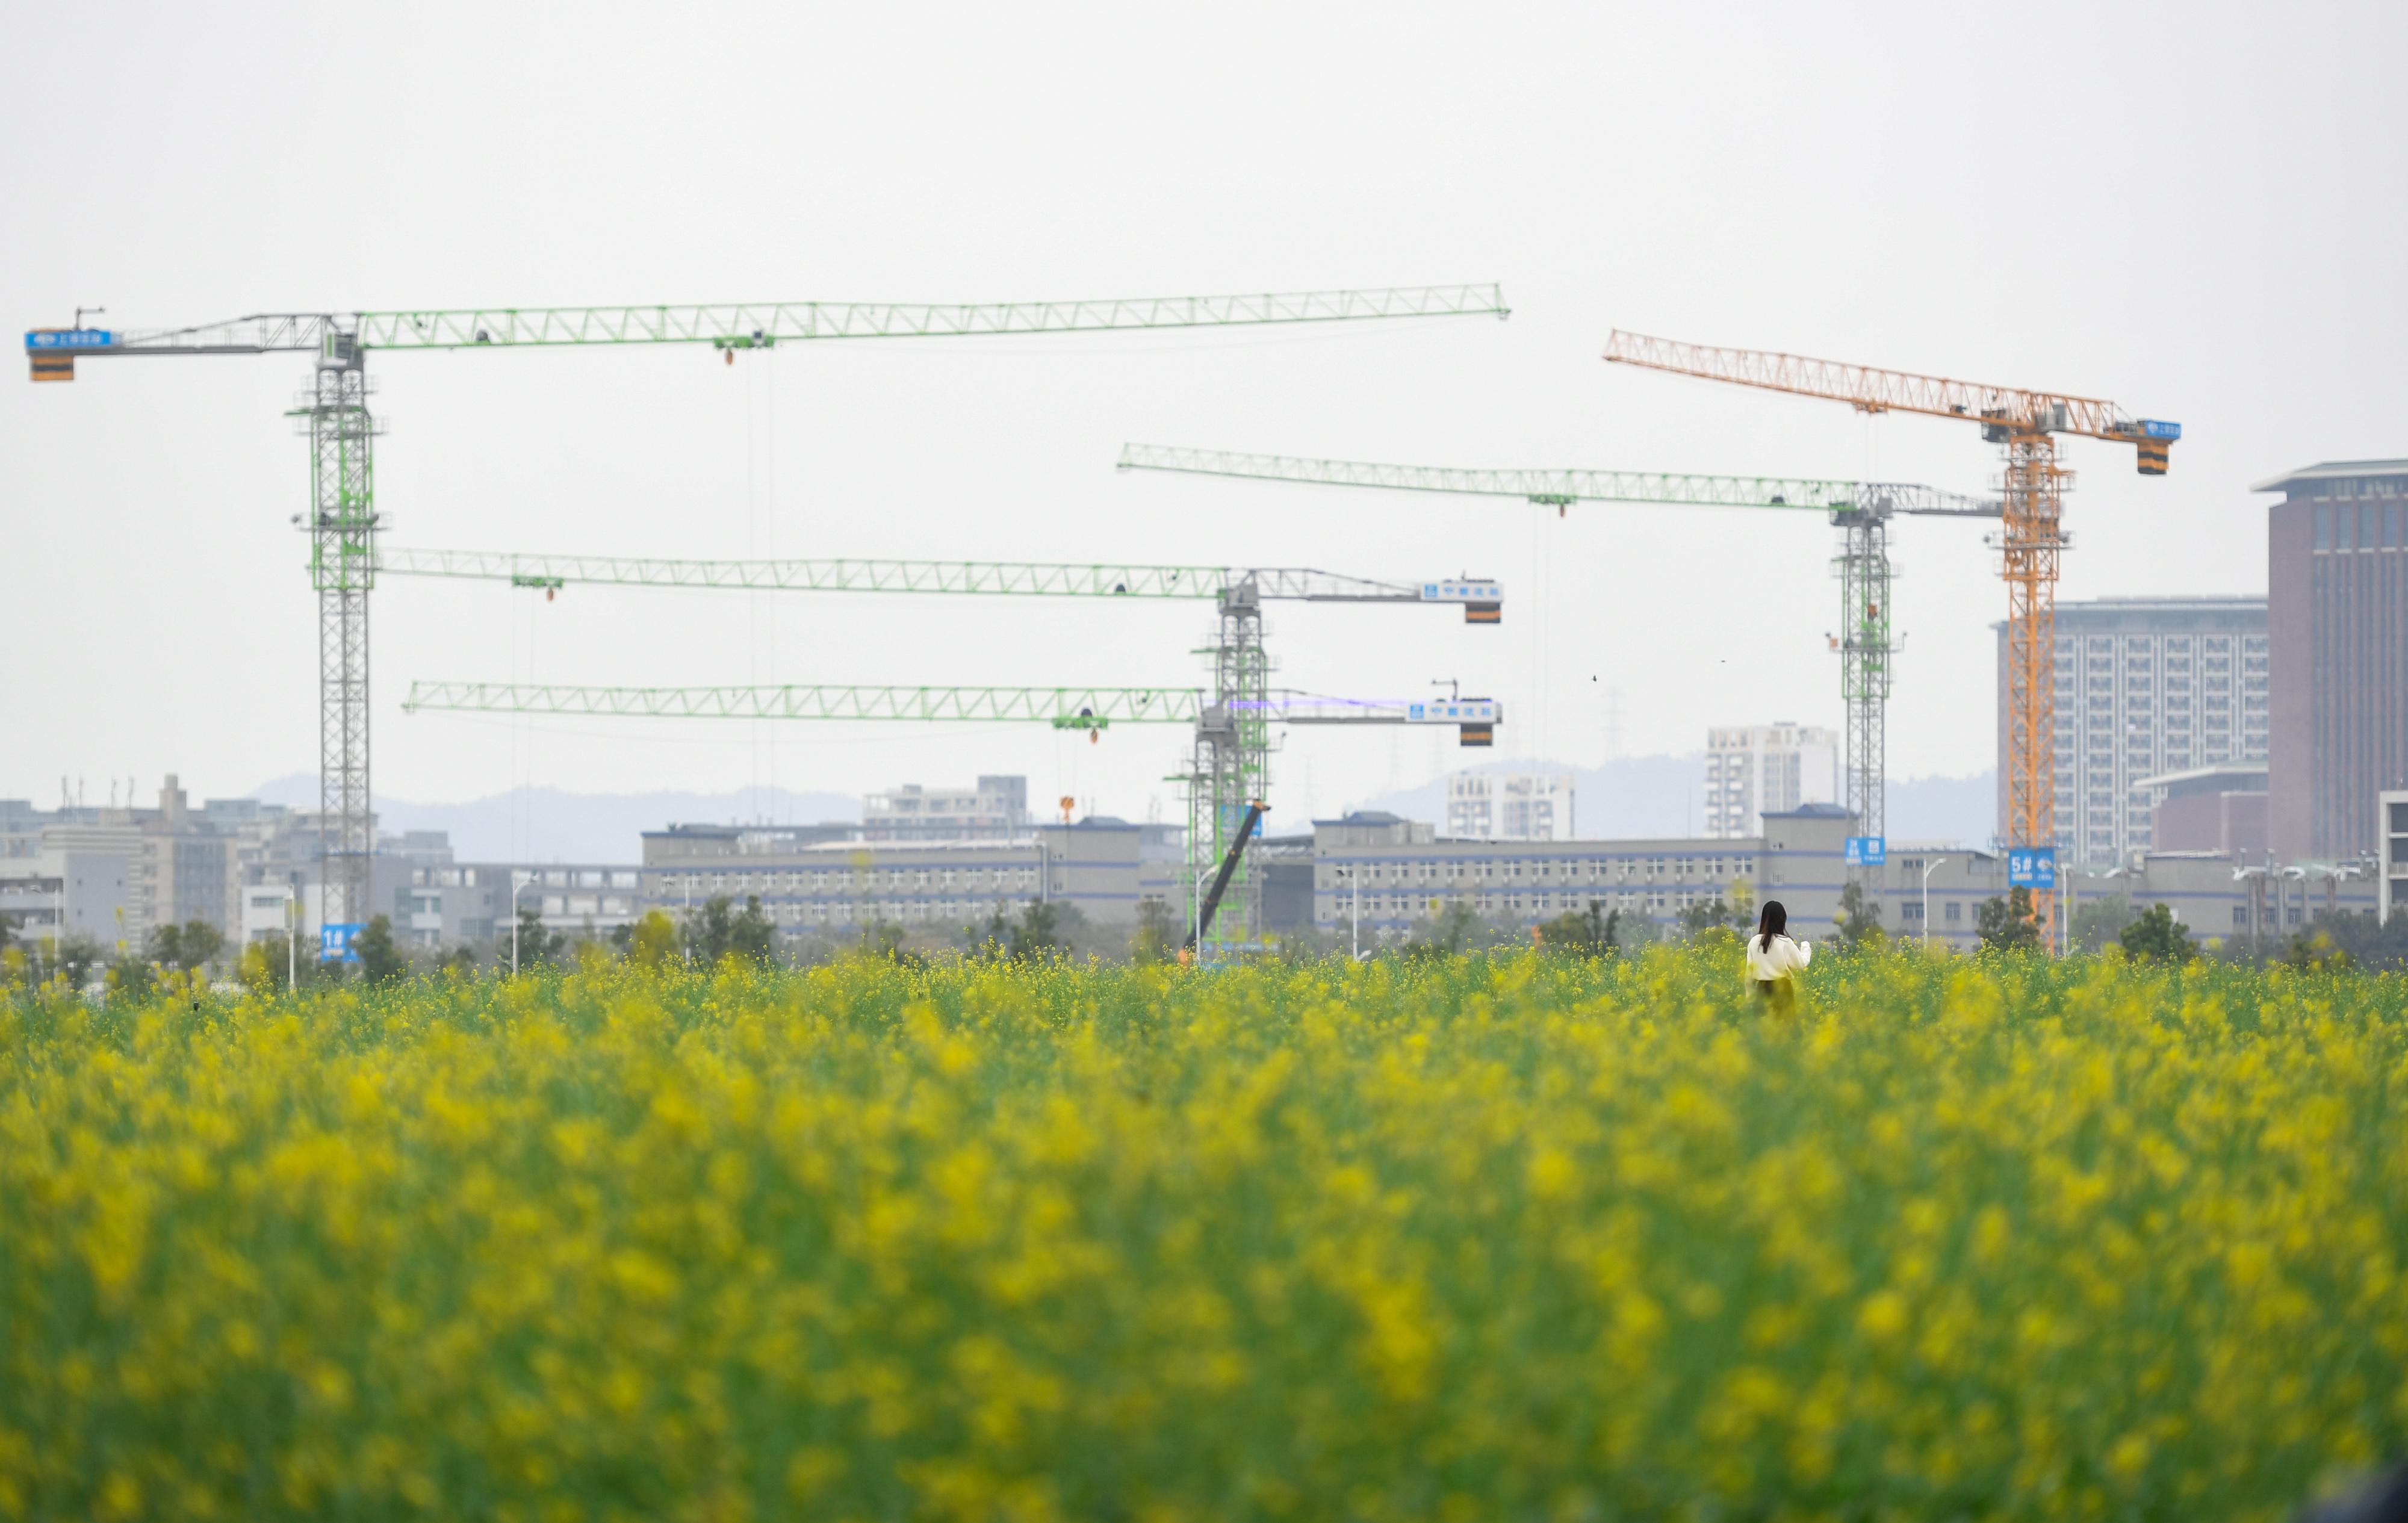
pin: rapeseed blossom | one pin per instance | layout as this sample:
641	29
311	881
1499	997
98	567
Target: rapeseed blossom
1483	1237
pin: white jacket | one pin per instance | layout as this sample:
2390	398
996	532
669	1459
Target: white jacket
1781	959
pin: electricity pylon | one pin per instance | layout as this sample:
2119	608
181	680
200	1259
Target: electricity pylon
1231	764
343	516
1861	510
2027	424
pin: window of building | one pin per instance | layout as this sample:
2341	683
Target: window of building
2324	526
1954	912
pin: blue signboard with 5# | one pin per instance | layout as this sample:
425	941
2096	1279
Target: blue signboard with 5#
2031	867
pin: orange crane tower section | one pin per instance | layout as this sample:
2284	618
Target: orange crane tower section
2025	422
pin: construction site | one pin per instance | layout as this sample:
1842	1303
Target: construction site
1236	874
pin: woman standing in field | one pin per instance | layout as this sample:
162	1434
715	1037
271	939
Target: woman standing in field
1774	961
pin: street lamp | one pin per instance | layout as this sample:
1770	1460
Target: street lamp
1927	899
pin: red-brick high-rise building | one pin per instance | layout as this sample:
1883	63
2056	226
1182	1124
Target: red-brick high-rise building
2337	618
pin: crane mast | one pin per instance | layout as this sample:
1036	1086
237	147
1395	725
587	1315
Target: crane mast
342	562
2032	542
343	517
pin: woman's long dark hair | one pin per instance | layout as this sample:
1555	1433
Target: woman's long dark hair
1774	922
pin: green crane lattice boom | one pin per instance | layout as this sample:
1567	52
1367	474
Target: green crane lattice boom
1063	708
1030	579
342	518
759	324
1860	509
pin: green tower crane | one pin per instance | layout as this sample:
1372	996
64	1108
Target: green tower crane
342	518
1232	758
1861	510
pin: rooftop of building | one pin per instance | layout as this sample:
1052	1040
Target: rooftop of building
2158	609
1809	811
2240	776
2331	470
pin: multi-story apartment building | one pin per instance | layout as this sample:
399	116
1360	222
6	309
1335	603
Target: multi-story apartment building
250	869
2145	686
996	810
1757	770
1510	806
2337	585
126	871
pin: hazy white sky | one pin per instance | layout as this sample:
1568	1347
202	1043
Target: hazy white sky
2194	210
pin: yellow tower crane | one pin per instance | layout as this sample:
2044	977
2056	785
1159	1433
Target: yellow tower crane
2027	424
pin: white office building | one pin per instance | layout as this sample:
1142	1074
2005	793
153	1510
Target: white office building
996	809
2145	686
1757	770
1509	806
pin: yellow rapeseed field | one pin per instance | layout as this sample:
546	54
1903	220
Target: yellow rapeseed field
1511	1237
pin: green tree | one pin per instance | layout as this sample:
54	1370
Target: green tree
751	935
1589	932
2008	922
1158	933
75	959
2316	950
884	939
461	961
653	940
132	975
262	965
537	944
2098	922
992	938
1859	919
710	931
8	932
1451	931
1704	916
194	944
380	959
1039	930
2155	933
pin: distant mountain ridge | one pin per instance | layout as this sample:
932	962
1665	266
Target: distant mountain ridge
550	825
